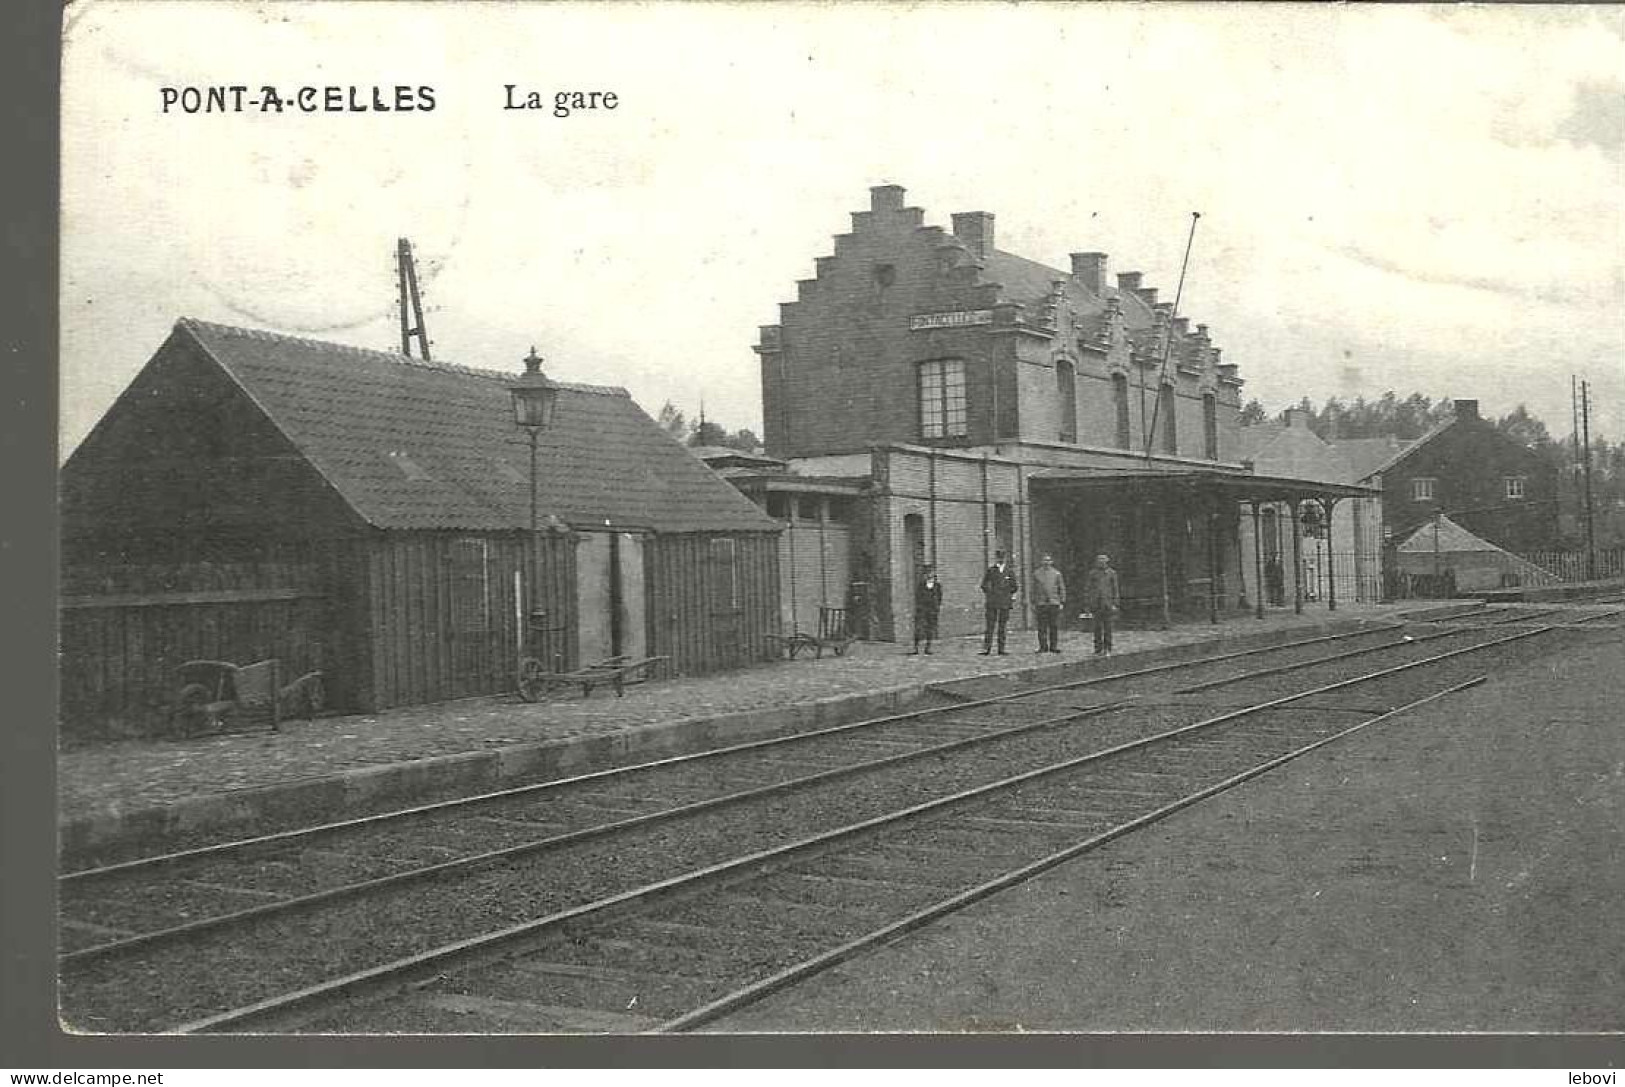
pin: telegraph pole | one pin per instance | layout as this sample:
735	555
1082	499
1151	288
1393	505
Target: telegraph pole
407	274
1168	344
1591	512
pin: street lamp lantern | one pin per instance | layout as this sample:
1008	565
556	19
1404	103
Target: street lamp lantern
534	396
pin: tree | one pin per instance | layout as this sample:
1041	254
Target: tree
743	439
672	422
1522	427
708	433
1253	413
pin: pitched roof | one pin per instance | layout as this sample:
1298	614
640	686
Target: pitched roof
411	444
1252	438
1411	447
1029	282
1364	456
1452	537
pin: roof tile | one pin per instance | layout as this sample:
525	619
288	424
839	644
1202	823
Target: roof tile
412	444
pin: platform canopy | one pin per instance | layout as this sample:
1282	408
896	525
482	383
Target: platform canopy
1235	486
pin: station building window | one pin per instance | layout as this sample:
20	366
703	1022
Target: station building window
1168	420
1514	486
1120	401
942	398
1210	426
1422	489
1066	391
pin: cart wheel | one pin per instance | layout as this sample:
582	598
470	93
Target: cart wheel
533	684
187	716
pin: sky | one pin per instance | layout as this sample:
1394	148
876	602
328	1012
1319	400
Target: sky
1397	197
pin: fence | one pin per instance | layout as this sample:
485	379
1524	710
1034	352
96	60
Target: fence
127	627
1428	575
1572	565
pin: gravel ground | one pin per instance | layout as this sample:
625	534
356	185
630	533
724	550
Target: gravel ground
132	902
1455	869
143	773
229	967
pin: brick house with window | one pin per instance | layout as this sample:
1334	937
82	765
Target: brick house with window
1490	484
981	401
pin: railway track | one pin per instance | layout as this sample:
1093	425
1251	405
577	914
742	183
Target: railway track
628	836
115	908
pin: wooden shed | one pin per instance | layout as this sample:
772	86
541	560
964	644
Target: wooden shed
367	514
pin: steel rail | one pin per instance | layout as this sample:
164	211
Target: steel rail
487	943
307	833
288	906
757	990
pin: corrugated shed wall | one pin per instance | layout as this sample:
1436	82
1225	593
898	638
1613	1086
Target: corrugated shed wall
131	617
713	599
443	615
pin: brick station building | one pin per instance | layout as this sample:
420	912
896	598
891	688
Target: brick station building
951	399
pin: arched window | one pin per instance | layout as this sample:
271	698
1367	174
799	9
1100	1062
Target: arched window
1066	390
1210	426
914	542
1120	401
1168	420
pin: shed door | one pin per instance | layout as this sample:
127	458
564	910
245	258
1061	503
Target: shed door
610	596
471	636
725	612
593	612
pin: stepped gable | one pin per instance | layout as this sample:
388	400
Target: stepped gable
411	444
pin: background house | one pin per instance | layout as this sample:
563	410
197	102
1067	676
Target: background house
1485	481
253	495
1440	558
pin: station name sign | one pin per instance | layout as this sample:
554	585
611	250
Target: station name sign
957	319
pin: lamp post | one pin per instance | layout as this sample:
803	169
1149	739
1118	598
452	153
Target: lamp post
534	398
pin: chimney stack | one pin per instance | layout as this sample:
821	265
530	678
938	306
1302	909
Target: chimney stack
886	198
1090	270
1128	281
1467	409
1297	418
975	228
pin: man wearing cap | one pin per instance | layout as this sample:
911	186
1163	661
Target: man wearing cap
1049	596
999	588
1101	596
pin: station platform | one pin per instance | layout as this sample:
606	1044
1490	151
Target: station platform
1573	590
145	794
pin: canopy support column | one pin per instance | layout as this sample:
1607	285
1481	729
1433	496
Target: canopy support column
1211	515
1161	515
1258	561
1329	504
1297	560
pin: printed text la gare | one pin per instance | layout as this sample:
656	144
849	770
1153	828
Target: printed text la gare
562	104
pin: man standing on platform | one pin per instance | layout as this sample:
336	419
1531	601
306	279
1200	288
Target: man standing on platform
999	588
1100	596
1049	596
927	606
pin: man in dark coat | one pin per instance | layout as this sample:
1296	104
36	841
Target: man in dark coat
999	588
927	606
1102	599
